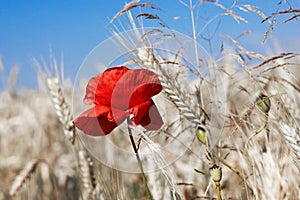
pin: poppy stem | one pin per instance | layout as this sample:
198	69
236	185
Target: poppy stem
135	149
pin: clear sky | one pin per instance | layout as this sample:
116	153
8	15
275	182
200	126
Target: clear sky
28	28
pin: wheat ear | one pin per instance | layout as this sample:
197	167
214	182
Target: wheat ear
171	89
176	97
61	108
88	178
293	140
24	176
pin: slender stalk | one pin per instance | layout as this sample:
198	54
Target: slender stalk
195	45
194	33
139	160
218	190
260	130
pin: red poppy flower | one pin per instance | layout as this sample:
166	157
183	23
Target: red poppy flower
116	94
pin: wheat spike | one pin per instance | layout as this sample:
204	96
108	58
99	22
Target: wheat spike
88	178
174	94
61	108
170	88
293	140
255	10
231	13
24	176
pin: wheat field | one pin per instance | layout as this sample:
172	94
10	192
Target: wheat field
238	115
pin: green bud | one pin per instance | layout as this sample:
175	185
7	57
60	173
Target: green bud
216	173
264	103
201	134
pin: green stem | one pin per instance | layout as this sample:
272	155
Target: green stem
139	160
218	190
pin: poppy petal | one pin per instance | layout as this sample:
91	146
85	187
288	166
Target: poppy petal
90	94
147	115
99	120
99	88
135	87
152	119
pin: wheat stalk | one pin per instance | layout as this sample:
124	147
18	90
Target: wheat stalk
292	138
61	108
155	182
159	160
24	176
88	179
177	98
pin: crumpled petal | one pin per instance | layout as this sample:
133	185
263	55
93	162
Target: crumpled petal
100	88
135	87
99	120
147	115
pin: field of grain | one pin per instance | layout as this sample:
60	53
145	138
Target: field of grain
231	125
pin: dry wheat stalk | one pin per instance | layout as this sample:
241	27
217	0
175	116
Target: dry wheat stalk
155	181
249	54
177	98
159	160
61	108
171	89
291	10
87	175
293	140
24	176
231	13
254	9
131	5
275	58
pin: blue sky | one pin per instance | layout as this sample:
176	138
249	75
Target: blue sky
28	28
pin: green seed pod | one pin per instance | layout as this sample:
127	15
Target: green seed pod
201	134
264	103
216	173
